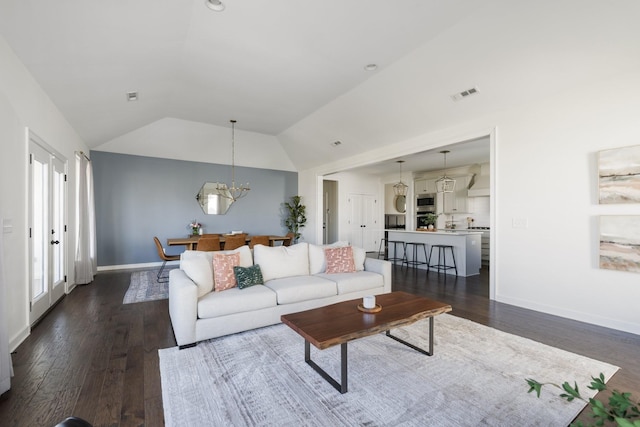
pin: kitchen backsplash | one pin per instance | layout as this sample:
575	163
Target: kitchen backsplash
479	210
481	213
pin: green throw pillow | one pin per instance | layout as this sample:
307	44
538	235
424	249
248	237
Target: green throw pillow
248	276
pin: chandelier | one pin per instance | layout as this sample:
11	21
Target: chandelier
400	189
444	184
234	192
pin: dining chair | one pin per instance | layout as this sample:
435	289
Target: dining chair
211	235
208	244
164	257
289	240
259	240
234	241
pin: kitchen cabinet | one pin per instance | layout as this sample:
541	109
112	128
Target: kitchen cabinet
424	186
457	202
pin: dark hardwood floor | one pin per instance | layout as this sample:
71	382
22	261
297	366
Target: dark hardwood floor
95	358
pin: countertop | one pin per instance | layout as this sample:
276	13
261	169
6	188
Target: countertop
456	232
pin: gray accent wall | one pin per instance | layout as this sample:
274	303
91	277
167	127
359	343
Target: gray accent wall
139	197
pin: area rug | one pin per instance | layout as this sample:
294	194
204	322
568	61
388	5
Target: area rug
144	286
475	378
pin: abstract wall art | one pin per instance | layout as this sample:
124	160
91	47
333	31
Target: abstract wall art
620	242
619	175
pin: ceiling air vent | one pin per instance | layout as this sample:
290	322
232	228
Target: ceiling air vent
132	96
465	93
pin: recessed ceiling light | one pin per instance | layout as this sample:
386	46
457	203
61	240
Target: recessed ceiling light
371	67
216	5
132	96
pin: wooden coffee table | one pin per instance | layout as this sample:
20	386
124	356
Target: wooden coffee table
340	323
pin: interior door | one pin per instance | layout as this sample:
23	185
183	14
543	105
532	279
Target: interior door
363	221
371	230
47	231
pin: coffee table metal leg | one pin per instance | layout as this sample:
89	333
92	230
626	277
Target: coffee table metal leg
342	386
418	349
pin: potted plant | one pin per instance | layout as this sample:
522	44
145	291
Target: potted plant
430	220
296	217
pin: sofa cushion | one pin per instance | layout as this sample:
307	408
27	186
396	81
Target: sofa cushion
246	258
354	282
359	256
301	288
199	271
339	260
248	276
317	259
223	274
235	300
282	261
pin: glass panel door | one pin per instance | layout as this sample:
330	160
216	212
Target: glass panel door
39	224
46	229
58	231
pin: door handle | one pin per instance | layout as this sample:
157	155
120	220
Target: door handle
55	242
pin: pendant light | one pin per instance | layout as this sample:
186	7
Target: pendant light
234	193
444	184
215	5
400	189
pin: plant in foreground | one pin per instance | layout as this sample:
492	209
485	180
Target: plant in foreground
621	410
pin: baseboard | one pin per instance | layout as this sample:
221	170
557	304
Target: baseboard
135	266
594	319
17	339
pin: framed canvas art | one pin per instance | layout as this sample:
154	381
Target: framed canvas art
619	175
620	242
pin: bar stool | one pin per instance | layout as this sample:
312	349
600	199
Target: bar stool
442	258
414	262
395	244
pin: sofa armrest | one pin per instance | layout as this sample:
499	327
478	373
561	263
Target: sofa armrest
380	266
183	306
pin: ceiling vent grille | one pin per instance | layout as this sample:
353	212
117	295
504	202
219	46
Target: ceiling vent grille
132	96
465	93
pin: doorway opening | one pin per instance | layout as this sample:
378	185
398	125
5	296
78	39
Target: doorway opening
329	211
481	144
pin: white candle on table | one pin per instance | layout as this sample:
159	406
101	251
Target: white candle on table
369	301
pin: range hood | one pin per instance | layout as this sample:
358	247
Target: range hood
480	186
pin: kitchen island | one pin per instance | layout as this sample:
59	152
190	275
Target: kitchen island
466	247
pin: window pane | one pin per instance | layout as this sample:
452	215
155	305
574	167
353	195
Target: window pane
39	228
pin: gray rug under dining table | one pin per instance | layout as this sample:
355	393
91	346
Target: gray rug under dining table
144	286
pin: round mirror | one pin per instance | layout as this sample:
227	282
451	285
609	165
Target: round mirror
401	204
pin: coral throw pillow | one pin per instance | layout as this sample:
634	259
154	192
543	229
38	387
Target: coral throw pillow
340	260
223	276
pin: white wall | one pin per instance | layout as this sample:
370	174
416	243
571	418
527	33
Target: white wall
23	104
545	172
178	139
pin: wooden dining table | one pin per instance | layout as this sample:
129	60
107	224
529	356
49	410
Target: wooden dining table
191	242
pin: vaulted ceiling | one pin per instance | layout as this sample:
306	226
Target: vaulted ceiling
294	69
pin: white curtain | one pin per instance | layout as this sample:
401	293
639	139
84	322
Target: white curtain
6	368
85	263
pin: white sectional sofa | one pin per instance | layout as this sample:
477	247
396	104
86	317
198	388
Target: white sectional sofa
295	279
